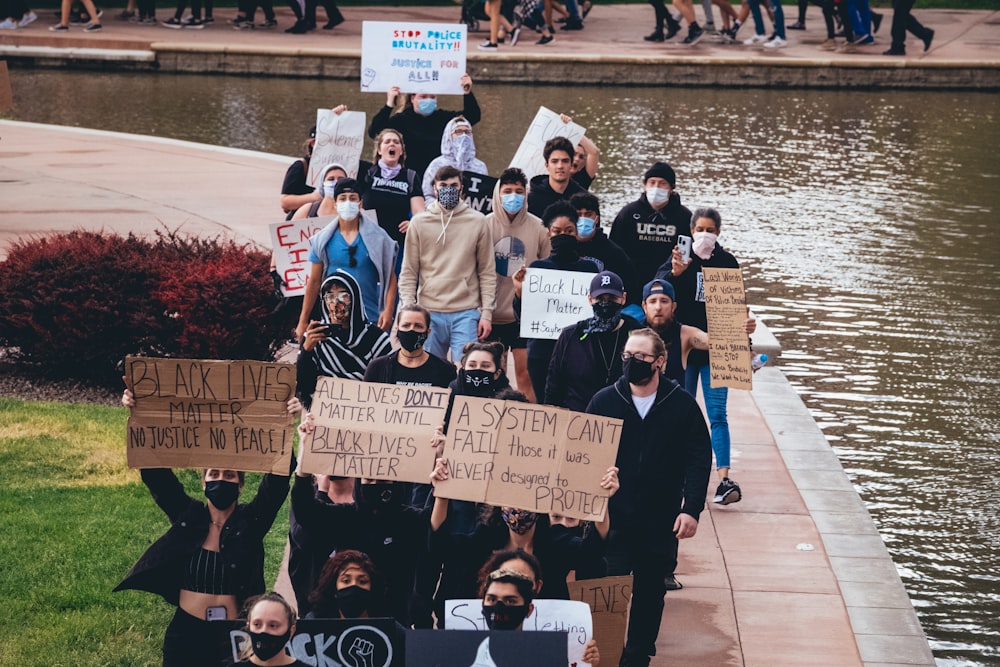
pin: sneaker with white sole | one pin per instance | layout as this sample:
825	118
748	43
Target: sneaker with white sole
776	43
728	492
93	27
27	19
59	27
488	46
756	40
9	24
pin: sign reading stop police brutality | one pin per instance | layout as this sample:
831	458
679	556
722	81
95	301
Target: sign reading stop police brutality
417	57
533	457
192	413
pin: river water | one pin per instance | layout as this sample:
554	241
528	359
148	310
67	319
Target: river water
867	226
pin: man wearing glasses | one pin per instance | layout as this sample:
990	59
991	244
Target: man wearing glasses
664	463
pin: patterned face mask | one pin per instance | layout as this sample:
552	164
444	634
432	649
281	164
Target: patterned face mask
448	197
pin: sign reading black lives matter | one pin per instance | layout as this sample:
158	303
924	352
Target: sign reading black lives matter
374	430
534	457
369	642
553	300
193	413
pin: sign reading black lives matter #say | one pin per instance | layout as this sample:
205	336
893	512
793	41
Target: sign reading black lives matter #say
534	457
192	413
552	300
417	57
369	429
726	312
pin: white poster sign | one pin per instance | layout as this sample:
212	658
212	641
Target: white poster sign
552	300
570	616
546	125
417	57
339	140
290	244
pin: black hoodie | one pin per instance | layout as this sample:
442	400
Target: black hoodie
664	461
648	236
541	195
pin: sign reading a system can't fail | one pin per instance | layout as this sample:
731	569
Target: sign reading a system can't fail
417	57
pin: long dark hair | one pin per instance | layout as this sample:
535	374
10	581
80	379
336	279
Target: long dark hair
322	595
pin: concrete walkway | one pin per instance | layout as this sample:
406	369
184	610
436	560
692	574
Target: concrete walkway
965	53
794	574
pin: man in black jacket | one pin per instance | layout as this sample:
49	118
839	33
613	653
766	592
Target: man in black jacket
664	462
557	184
597	247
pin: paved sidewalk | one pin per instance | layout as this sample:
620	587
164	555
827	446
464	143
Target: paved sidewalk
754	593
965	51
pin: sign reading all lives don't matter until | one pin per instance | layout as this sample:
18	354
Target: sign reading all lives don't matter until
417	57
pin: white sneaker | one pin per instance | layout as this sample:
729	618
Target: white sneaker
8	24
776	43
755	40
28	19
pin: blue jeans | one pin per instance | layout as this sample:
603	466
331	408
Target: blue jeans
715	406
452	331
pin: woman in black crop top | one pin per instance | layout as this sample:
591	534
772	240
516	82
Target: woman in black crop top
211	560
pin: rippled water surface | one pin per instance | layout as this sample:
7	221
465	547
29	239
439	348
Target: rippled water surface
867	224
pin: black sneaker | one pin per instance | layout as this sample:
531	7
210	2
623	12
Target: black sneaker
573	25
673	27
928	38
876	21
269	23
728	492
545	39
194	24
333	23
514	36
798	25
671	583
655	36
172	22
93	27
695	34
208	19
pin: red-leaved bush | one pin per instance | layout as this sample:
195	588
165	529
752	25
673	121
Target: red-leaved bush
74	304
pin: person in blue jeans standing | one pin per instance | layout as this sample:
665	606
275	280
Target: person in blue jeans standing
686	277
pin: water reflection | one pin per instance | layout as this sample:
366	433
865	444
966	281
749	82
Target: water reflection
866	223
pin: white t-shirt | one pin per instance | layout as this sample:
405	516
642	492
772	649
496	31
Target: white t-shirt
643	405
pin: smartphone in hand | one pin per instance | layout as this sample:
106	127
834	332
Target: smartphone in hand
684	247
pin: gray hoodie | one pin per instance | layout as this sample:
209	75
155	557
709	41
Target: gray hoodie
455	152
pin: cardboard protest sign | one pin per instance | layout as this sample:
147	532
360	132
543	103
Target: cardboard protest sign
417	57
479	191
339	140
534	457
328	642
290	245
546	125
434	648
552	300
369	429
729	345
192	413
608	599
567	616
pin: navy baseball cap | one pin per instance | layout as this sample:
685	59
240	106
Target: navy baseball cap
607	282
658	286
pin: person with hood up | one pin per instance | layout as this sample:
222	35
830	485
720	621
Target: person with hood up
353	243
647	229
664	462
343	342
421	121
458	149
519	238
449	254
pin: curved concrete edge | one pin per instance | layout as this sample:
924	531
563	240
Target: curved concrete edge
883	619
238	152
77	53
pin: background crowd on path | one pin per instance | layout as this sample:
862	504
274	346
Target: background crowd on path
848	23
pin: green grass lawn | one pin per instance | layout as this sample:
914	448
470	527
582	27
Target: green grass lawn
74	520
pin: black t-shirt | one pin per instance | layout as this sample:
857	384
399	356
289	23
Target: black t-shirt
389	197
295	180
435	372
583	178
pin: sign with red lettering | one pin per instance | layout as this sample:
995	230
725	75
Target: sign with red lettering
290	245
193	413
533	457
417	57
373	430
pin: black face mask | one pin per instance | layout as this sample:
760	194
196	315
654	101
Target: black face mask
266	646
412	340
564	244
222	494
606	310
636	371
352	601
382	495
502	617
478	383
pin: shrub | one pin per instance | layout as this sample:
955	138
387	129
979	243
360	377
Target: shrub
75	304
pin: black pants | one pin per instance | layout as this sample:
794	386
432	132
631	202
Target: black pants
660	8
629	553
333	14
192	642
902	21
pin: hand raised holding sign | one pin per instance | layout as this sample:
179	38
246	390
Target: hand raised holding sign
610	481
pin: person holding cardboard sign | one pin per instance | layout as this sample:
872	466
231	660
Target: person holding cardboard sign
211	560
688	282
665	459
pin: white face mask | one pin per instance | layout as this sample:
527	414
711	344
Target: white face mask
329	188
704	244
657	196
348	210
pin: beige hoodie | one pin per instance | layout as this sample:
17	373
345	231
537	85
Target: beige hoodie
449	254
516	243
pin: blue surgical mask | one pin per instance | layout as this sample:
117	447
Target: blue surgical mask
427	106
512	202
585	227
